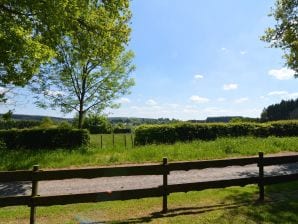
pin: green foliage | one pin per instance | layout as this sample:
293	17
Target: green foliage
29	34
7	116
92	67
19	124
284	34
97	124
50	138
149	134
47	123
285	110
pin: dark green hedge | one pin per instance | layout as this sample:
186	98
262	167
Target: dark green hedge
148	134
19	124
51	138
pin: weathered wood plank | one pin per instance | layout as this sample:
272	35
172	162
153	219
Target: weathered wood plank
15	200
211	163
280	179
211	184
97	197
11	176
98	172
276	160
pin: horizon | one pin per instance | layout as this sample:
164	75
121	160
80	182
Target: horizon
196	60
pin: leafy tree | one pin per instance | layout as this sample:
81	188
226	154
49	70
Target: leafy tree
30	32
284	34
281	111
97	124
7	116
92	67
47	123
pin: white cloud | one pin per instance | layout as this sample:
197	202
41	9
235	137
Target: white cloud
151	102
277	93
223	49
221	99
55	93
230	86
124	100
283	94
243	52
199	99
241	100
198	76
282	74
3	90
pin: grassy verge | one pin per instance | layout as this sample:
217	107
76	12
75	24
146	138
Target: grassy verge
94	156
229	205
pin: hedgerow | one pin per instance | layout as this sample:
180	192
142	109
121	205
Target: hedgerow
50	138
149	134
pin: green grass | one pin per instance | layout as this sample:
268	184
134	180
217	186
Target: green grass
229	205
109	155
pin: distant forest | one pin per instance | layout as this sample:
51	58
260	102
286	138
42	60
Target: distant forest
285	110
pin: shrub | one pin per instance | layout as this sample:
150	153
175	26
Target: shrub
19	124
148	134
50	138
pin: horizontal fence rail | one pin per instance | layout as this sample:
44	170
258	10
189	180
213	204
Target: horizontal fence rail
34	200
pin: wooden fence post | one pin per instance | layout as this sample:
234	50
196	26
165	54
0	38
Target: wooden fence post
113	138
100	141
165	185
132	142
124	140
33	194
261	176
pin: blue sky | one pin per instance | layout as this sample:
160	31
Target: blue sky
196	59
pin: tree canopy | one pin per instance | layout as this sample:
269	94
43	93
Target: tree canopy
31	31
91	67
285	110
284	34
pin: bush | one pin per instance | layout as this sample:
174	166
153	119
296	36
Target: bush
119	130
50	138
19	124
149	134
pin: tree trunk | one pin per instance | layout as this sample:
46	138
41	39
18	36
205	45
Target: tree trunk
81	119
81	116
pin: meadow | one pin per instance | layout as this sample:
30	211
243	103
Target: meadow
228	205
98	154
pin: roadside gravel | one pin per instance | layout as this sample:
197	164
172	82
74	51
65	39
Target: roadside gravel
75	186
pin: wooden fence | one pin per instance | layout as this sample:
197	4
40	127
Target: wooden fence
34	200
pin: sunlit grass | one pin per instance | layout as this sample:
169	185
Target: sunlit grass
229	205
117	154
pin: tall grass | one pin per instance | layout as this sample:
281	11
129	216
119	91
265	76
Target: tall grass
109	155
219	206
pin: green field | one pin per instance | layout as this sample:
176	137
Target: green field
95	155
229	205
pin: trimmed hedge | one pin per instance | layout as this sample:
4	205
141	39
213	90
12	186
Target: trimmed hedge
156	134
50	138
19	124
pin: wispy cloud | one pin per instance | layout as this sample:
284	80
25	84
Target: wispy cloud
241	100
199	99
54	93
223	49
243	52
277	93
198	76
230	86
151	102
282	74
283	94
124	100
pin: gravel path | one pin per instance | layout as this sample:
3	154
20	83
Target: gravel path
74	186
